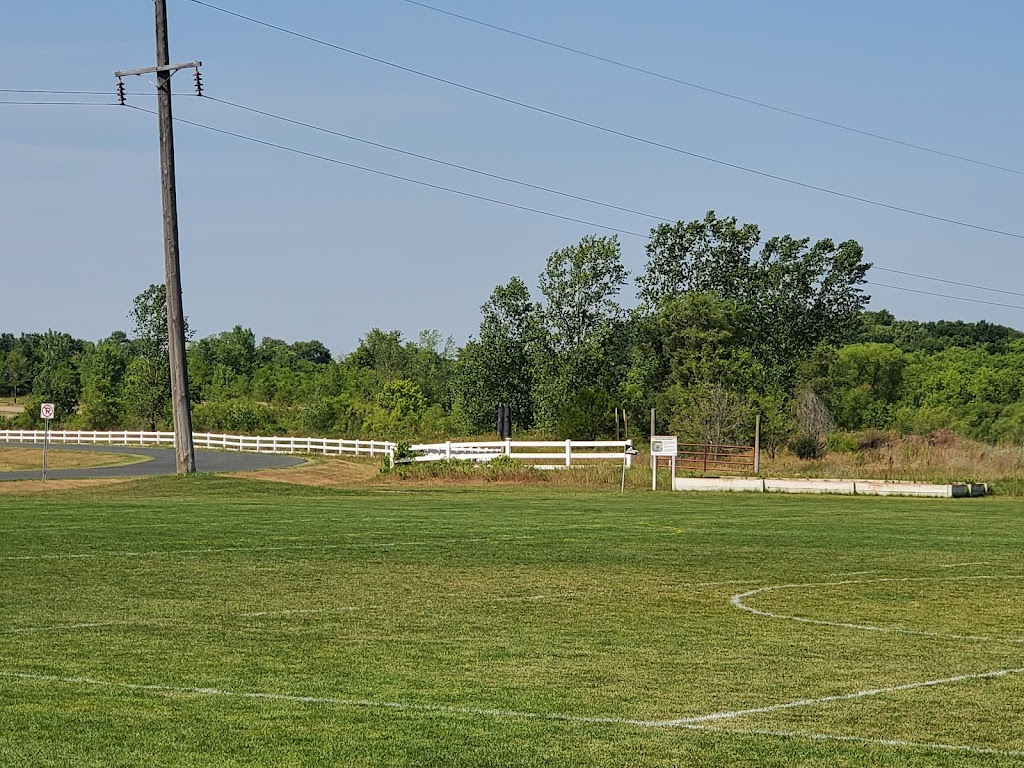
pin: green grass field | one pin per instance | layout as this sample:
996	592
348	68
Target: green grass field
212	621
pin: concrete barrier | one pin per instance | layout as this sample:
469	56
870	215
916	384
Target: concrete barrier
754	484
897	488
816	485
809	485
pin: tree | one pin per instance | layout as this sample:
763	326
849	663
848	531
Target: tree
589	415
793	296
148	376
57	380
583	341
709	413
383	352
711	256
15	371
498	367
103	371
805	296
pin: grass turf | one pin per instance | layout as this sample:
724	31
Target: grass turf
199	592
29	459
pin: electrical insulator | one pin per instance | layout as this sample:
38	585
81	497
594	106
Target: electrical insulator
199	83
120	93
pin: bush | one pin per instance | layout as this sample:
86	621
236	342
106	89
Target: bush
807	447
873	439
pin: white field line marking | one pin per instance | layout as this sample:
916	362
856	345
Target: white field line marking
963	565
693	723
861	740
295	611
533	598
61	627
738	601
274	548
168	619
729	715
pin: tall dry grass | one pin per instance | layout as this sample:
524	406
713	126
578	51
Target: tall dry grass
939	458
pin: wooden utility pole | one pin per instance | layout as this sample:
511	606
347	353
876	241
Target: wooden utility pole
183	446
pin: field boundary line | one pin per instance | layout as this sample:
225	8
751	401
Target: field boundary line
697	723
866	693
737	601
276	548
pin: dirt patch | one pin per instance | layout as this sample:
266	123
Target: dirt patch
35	487
327	473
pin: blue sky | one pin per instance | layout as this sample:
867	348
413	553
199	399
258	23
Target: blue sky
298	248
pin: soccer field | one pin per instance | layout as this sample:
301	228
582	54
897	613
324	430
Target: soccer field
212	621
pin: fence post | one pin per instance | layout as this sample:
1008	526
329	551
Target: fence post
508	447
568	453
757	444
448	449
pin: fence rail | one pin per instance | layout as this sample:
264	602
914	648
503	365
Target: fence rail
716	458
255	444
569	453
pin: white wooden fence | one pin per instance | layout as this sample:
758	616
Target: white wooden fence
568	453
208	440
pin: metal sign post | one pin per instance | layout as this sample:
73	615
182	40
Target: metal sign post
46	411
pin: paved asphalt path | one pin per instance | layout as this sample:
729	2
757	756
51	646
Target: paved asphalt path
161	462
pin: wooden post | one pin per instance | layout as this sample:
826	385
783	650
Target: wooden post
185	458
654	459
757	444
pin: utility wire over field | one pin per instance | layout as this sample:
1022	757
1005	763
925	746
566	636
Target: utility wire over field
715	91
607	130
484	198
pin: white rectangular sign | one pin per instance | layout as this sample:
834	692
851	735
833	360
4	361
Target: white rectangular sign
664	445
46	411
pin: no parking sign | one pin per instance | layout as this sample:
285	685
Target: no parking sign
46	411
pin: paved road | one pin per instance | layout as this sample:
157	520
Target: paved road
161	462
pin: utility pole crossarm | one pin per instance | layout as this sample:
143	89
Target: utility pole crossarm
152	70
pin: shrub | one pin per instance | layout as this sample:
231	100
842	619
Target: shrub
807	447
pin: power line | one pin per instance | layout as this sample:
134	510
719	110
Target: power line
395	176
60	103
548	190
41	92
612	131
949	282
715	91
54	93
438	161
496	201
944	295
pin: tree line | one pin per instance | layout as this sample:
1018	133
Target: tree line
729	325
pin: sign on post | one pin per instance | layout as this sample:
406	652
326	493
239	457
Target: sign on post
46	411
663	445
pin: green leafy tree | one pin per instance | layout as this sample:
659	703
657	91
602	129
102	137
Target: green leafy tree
582	344
147	385
103	372
57	380
498	367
